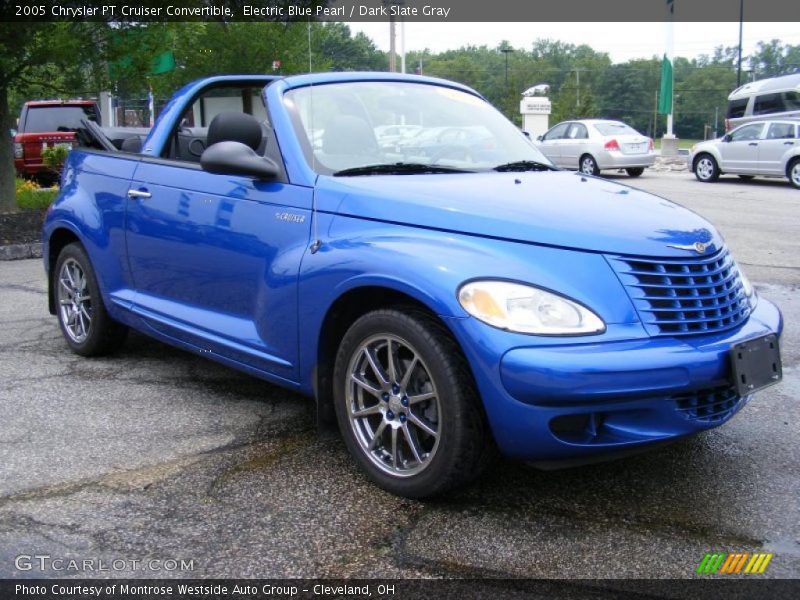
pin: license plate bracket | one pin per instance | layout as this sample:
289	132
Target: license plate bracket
756	364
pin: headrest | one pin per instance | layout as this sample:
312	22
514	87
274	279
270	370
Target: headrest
233	126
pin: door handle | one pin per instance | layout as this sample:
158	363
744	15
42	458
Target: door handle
753	144
139	194
788	143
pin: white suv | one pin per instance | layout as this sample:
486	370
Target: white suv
770	148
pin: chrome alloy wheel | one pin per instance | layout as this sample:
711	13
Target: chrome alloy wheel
794	174
393	406
705	168
588	166
74	301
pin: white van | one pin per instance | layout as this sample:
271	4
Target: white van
773	98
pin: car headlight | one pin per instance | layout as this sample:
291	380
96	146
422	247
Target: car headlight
747	287
527	309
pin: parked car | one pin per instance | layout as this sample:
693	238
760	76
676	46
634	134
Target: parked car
770	148
592	145
773	98
44	123
435	312
389	135
448	143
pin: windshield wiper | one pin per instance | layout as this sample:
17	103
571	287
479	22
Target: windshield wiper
524	165
399	168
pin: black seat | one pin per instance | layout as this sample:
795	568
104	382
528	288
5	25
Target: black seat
230	126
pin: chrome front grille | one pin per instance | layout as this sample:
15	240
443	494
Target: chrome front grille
684	296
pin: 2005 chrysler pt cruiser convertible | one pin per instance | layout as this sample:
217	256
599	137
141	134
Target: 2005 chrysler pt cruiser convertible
442	297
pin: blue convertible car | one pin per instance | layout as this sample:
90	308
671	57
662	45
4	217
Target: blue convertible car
437	306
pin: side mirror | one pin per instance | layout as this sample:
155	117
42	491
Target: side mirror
726	137
539	138
235	158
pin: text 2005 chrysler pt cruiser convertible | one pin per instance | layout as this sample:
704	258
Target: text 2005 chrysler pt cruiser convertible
443	290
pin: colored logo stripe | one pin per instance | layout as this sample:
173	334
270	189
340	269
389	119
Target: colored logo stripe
734	564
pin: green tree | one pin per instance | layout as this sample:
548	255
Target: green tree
45	59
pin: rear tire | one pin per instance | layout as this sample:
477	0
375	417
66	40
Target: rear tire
413	423
635	171
588	165
85	324
706	168
793	172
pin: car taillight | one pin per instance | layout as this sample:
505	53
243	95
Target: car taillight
727	125
650	145
612	145
18	152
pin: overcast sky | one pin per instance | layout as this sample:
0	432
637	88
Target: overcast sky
622	41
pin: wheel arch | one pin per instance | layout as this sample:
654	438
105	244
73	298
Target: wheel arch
790	161
342	313
60	237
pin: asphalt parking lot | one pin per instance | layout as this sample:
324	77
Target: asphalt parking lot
159	454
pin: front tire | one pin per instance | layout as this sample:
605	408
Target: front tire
588	165
706	168
635	171
793	172
85	324
406	404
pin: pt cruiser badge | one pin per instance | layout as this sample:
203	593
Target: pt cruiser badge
291	217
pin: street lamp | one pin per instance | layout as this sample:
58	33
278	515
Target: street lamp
506	49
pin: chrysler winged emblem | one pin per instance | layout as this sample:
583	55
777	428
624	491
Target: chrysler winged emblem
698	247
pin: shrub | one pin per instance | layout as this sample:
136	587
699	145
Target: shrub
54	156
31	197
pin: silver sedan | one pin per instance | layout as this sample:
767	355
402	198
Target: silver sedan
770	148
591	145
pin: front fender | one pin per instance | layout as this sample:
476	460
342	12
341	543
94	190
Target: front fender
430	266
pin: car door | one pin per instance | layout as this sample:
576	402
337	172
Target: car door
573	145
550	144
215	259
740	153
778	139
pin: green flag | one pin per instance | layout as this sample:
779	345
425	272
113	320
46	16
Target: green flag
163	63
665	95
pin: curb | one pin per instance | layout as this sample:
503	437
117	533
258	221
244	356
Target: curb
21	251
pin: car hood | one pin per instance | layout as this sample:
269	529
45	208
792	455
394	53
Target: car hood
554	208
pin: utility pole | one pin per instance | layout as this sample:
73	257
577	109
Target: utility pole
578	82
403	46
741	23
392	56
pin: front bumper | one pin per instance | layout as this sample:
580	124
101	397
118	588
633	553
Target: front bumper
565	402
617	160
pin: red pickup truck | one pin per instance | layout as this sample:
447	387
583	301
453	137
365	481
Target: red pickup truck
44	123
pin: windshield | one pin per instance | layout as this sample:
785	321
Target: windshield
350	125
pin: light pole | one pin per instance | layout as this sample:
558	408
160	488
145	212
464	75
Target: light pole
506	49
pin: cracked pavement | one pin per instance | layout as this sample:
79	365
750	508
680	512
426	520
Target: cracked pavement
157	453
